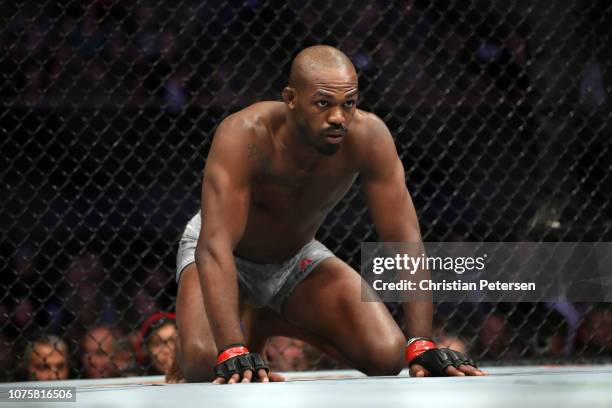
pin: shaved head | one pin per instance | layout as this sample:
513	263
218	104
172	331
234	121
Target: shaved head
316	60
321	98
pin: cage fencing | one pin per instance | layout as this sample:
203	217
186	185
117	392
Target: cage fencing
500	112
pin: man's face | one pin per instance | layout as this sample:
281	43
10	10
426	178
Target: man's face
325	104
98	353
48	362
161	347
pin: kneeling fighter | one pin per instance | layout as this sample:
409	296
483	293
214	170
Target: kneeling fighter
248	264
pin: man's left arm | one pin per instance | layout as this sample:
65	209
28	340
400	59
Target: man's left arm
395	219
393	213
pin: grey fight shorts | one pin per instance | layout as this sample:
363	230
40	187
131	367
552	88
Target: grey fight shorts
263	284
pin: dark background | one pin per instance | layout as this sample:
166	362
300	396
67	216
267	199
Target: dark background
500	112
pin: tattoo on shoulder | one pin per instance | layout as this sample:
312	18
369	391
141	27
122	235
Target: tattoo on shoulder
254	151
262	158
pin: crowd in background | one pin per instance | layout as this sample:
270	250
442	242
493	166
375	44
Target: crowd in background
138	53
77	327
103	352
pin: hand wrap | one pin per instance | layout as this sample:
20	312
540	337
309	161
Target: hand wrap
423	351
236	359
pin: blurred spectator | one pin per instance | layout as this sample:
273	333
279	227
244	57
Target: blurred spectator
571	317
594	336
5	317
495	339
159	282
22	301
99	348
125	359
592	88
6	357
158	341
547	332
175	92
87	39
85	295
493	335
85	268
146	38
452	342
550	346
24	264
143	303
47	359
287	354
23	314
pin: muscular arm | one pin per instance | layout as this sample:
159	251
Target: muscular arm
392	211
225	202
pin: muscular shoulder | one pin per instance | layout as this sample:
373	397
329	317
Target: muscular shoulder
368	121
371	141
245	135
252	122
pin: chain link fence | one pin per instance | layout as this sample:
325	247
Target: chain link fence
500	112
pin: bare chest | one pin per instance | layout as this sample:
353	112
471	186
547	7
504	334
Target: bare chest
286	190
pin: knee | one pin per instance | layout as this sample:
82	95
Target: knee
386	357
197	362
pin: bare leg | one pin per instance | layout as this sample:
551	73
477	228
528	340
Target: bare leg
196	351
328	304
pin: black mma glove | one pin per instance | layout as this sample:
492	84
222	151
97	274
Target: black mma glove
423	351
236	359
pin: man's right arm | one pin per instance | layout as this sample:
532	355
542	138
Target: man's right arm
225	203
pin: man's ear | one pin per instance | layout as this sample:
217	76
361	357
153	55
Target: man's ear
289	95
